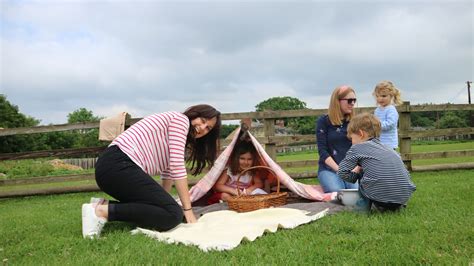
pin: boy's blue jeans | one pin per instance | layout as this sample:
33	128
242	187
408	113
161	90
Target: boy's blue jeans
331	182
365	205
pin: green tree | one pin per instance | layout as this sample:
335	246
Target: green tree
82	115
281	103
227	129
303	125
88	137
420	119
452	120
10	117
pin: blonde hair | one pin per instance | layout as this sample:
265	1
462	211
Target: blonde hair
334	111
391	90
366	122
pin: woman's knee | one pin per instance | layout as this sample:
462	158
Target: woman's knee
176	217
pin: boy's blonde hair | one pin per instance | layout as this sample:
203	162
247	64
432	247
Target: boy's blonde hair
334	111
390	89
366	122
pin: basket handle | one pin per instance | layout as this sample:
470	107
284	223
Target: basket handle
257	167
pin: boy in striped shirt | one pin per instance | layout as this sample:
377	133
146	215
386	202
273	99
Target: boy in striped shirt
383	179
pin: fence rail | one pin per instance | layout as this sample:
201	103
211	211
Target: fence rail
269	139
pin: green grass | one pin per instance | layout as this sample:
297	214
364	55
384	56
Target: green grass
436	228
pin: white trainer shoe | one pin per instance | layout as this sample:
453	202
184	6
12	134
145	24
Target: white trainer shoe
91	224
97	201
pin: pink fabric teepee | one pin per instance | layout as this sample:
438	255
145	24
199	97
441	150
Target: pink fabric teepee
312	192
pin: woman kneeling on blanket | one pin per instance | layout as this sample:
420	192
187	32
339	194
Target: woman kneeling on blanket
243	156
155	145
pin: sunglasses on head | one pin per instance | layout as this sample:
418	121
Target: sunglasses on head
349	100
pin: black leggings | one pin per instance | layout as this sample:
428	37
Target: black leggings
141	200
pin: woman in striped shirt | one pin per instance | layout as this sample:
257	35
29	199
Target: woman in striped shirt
156	145
383	179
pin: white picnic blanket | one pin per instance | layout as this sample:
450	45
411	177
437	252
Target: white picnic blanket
225	230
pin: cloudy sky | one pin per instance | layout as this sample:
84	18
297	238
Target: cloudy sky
153	56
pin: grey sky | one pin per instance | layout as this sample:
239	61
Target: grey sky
152	56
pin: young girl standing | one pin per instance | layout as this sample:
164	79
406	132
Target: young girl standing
387	96
244	156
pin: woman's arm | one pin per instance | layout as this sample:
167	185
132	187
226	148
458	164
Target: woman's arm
322	141
183	193
331	163
167	184
220	185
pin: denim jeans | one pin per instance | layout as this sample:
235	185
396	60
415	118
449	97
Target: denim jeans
331	182
365	204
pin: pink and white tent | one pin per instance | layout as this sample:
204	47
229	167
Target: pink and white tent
311	192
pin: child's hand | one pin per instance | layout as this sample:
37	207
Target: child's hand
357	169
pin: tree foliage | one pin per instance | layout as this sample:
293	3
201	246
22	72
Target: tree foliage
82	115
86	137
281	103
227	129
452	120
10	117
303	125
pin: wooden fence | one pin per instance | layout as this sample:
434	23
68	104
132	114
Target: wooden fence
269	139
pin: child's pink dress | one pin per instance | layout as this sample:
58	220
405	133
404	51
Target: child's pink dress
245	181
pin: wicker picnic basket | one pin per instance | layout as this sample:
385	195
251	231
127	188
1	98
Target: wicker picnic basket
246	203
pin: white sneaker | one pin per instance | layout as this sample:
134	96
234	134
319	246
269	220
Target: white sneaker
97	201
91	224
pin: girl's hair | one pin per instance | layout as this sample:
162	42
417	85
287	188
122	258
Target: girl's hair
390	89
239	149
366	122
202	151
334	111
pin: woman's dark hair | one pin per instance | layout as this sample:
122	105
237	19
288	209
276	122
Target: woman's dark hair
239	149
202	151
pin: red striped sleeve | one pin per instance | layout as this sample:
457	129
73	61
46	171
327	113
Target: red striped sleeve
157	144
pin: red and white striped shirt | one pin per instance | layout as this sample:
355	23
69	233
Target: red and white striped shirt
157	144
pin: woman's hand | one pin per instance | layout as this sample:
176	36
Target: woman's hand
189	215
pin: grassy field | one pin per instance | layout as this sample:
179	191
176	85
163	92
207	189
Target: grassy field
436	228
430	147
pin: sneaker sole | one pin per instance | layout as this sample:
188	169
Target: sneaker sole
85	211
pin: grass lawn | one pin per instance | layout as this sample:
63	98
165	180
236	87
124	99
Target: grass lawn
436	228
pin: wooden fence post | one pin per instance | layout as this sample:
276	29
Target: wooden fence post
269	131
405	138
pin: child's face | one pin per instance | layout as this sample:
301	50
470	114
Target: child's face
245	160
383	98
